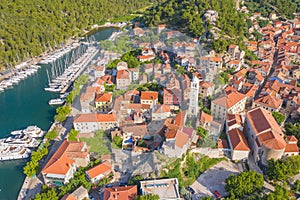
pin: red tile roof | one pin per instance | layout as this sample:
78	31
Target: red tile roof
68	197
106	117
261	120
92	117
123	74
206	84
292	148
205	118
106	97
238	140
229	99
120	193
269	101
63	158
272	140
85	118
102	168
181	139
222	144
291	138
149	95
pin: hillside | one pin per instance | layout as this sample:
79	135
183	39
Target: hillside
188	17
285	8
29	27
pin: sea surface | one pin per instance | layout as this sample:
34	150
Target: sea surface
23	105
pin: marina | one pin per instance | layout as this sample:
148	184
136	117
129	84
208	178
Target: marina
58	54
24	104
33	131
13	153
18	144
18	76
61	76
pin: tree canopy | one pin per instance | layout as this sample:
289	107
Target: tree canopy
29	28
280	170
279	118
188	15
293	129
285	8
244	184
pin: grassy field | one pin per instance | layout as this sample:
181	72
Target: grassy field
98	144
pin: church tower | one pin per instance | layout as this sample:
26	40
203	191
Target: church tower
193	104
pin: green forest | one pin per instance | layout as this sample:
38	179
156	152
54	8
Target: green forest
188	16
30	27
285	8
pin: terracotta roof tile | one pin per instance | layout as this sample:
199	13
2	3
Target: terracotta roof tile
261	120
60	162
272	140
222	144
238	140
205	118
181	139
290	148
269	101
106	117
121	193
230	99
137	130
68	197
85	118
179	119
106	97
291	138
102	168
206	84
123	74
87	96
92	117
149	95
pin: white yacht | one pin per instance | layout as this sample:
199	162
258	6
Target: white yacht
58	101
13	152
19	140
34	131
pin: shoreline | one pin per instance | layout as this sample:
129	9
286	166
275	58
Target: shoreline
72	40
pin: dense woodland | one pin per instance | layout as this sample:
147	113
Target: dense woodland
285	8
188	15
29	27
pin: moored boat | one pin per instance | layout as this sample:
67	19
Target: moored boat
58	101
13	152
34	131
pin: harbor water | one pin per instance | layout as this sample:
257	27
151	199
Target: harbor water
23	105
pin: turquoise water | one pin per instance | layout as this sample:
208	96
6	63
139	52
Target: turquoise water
26	104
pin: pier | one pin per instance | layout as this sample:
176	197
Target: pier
83	65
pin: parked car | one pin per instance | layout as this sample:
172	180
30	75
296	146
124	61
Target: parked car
108	185
217	194
191	190
122	184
